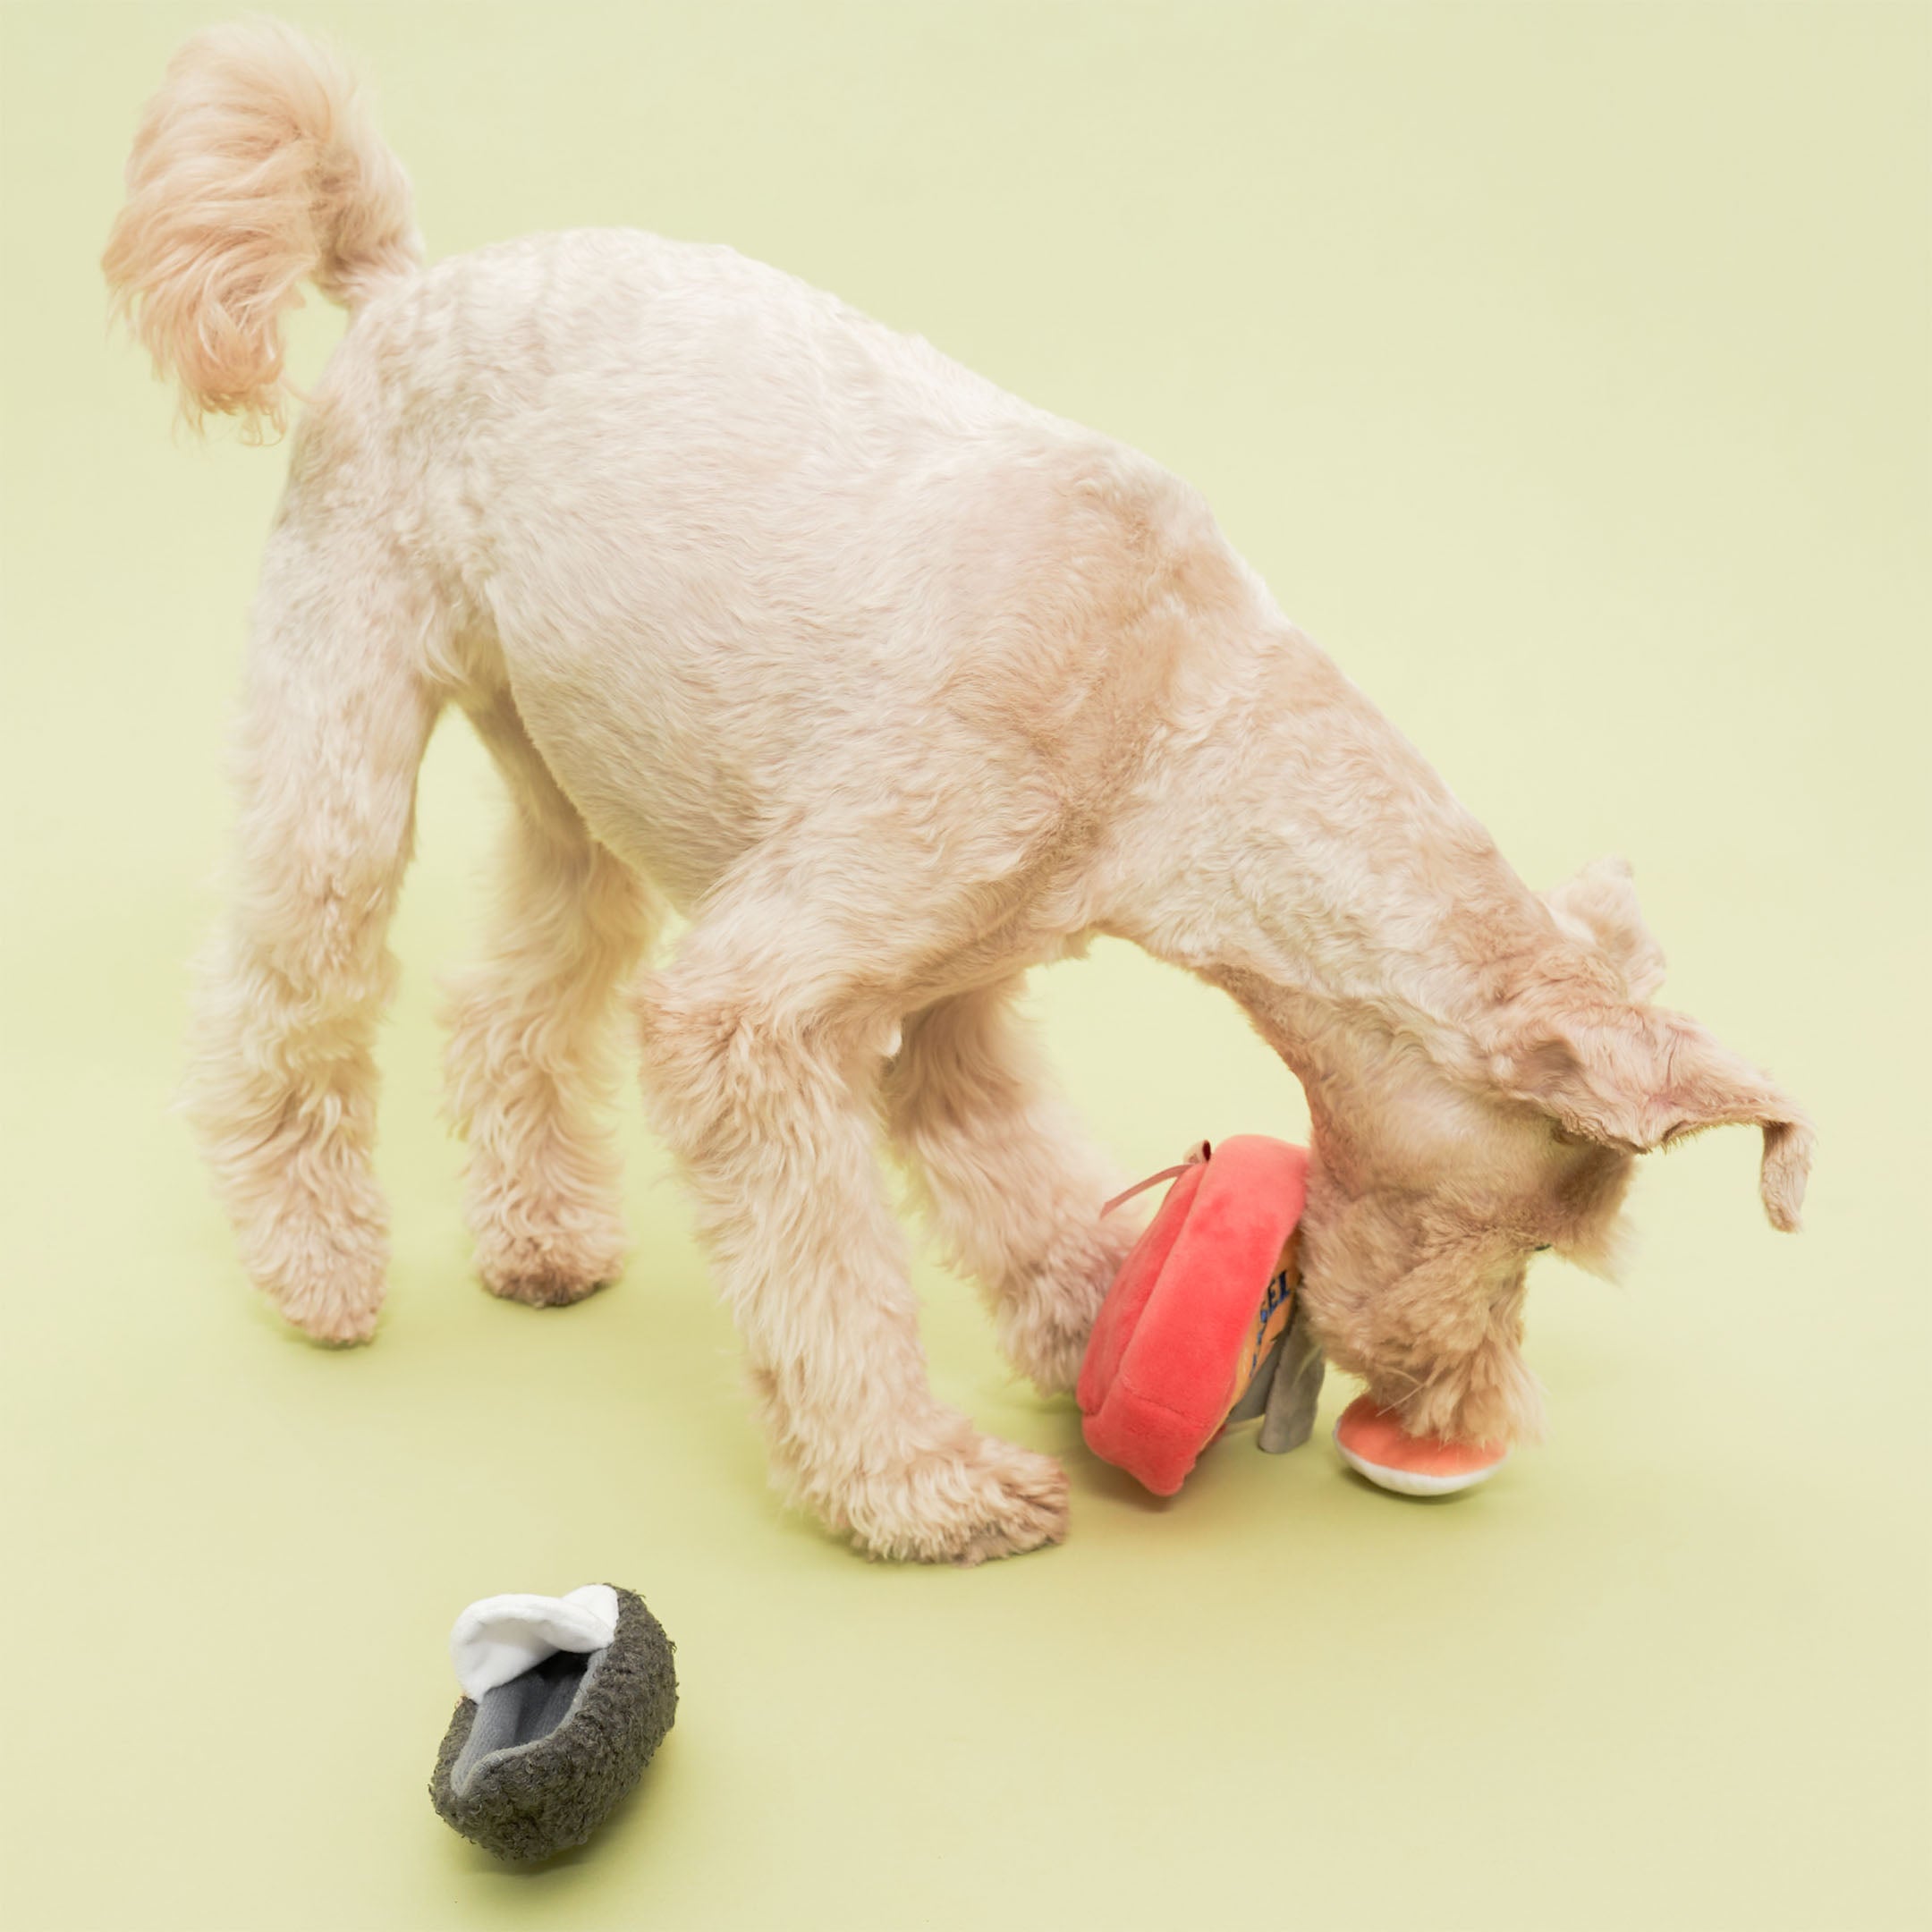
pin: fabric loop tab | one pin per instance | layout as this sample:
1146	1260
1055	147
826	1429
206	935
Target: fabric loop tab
1203	1152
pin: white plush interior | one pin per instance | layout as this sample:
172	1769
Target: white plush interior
500	1638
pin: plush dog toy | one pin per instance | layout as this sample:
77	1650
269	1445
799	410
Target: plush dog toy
1203	1327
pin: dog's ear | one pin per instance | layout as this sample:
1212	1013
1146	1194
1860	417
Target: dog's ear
1639	1077
1599	908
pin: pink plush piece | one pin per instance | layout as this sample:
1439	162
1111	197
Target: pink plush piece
1374	1442
1181	1330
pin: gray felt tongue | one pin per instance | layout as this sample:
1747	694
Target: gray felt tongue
1285	1389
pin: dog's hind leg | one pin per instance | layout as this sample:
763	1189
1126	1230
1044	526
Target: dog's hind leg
530	1050
282	1088
1008	1177
764	1043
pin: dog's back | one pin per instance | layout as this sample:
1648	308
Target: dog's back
723	534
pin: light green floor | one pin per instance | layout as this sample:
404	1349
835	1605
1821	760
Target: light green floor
1563	368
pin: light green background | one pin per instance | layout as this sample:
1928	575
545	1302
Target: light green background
1564	369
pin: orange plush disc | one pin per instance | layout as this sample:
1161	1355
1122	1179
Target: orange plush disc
1373	1442
1193	1310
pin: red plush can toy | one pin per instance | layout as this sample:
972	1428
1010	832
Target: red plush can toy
1197	1309
1202	1327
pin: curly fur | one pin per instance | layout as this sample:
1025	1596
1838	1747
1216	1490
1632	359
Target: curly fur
256	167
895	687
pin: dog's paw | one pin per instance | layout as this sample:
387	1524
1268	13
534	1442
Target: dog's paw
549	1266
323	1276
984	1499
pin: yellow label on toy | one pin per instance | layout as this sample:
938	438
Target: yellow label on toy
1272	1318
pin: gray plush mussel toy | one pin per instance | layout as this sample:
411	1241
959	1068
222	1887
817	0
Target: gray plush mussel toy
565	1699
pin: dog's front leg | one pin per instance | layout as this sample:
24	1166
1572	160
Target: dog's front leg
769	1105
1009	1181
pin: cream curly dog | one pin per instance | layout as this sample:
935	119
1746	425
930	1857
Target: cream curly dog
894	688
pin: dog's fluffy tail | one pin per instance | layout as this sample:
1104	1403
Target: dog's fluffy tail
256	166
